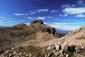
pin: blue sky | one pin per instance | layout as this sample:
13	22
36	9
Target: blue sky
60	14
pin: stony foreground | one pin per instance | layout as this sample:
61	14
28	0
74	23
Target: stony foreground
49	51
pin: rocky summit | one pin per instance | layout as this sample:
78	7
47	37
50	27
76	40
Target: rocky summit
38	24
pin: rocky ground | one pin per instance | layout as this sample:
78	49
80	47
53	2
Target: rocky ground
35	51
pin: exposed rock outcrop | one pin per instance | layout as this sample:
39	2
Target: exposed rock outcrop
32	51
41	26
37	21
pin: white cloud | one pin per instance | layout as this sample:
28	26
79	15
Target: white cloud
45	23
15	21
27	14
19	14
75	23
81	2
3	13
27	23
69	27
80	15
67	23
65	15
74	10
68	6
43	10
49	17
2	17
60	23
64	26
7	19
30	18
53	11
60	15
32	12
42	18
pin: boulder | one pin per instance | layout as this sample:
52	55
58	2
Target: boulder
64	46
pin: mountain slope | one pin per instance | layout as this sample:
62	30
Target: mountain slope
76	37
24	35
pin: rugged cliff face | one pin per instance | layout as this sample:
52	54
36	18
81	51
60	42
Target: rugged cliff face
38	24
20	34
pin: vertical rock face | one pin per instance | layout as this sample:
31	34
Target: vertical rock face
50	30
41	26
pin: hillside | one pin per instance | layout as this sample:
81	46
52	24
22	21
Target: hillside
24	35
76	37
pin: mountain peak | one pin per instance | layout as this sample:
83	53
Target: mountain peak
37	21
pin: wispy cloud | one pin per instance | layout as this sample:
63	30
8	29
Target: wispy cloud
32	12
48	17
80	15
60	15
43	10
3	13
80	10
65	26
65	15
27	14
27	23
46	23
67	23
2	17
30	18
54	11
81	2
60	23
19	14
42	18
68	6
15	20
